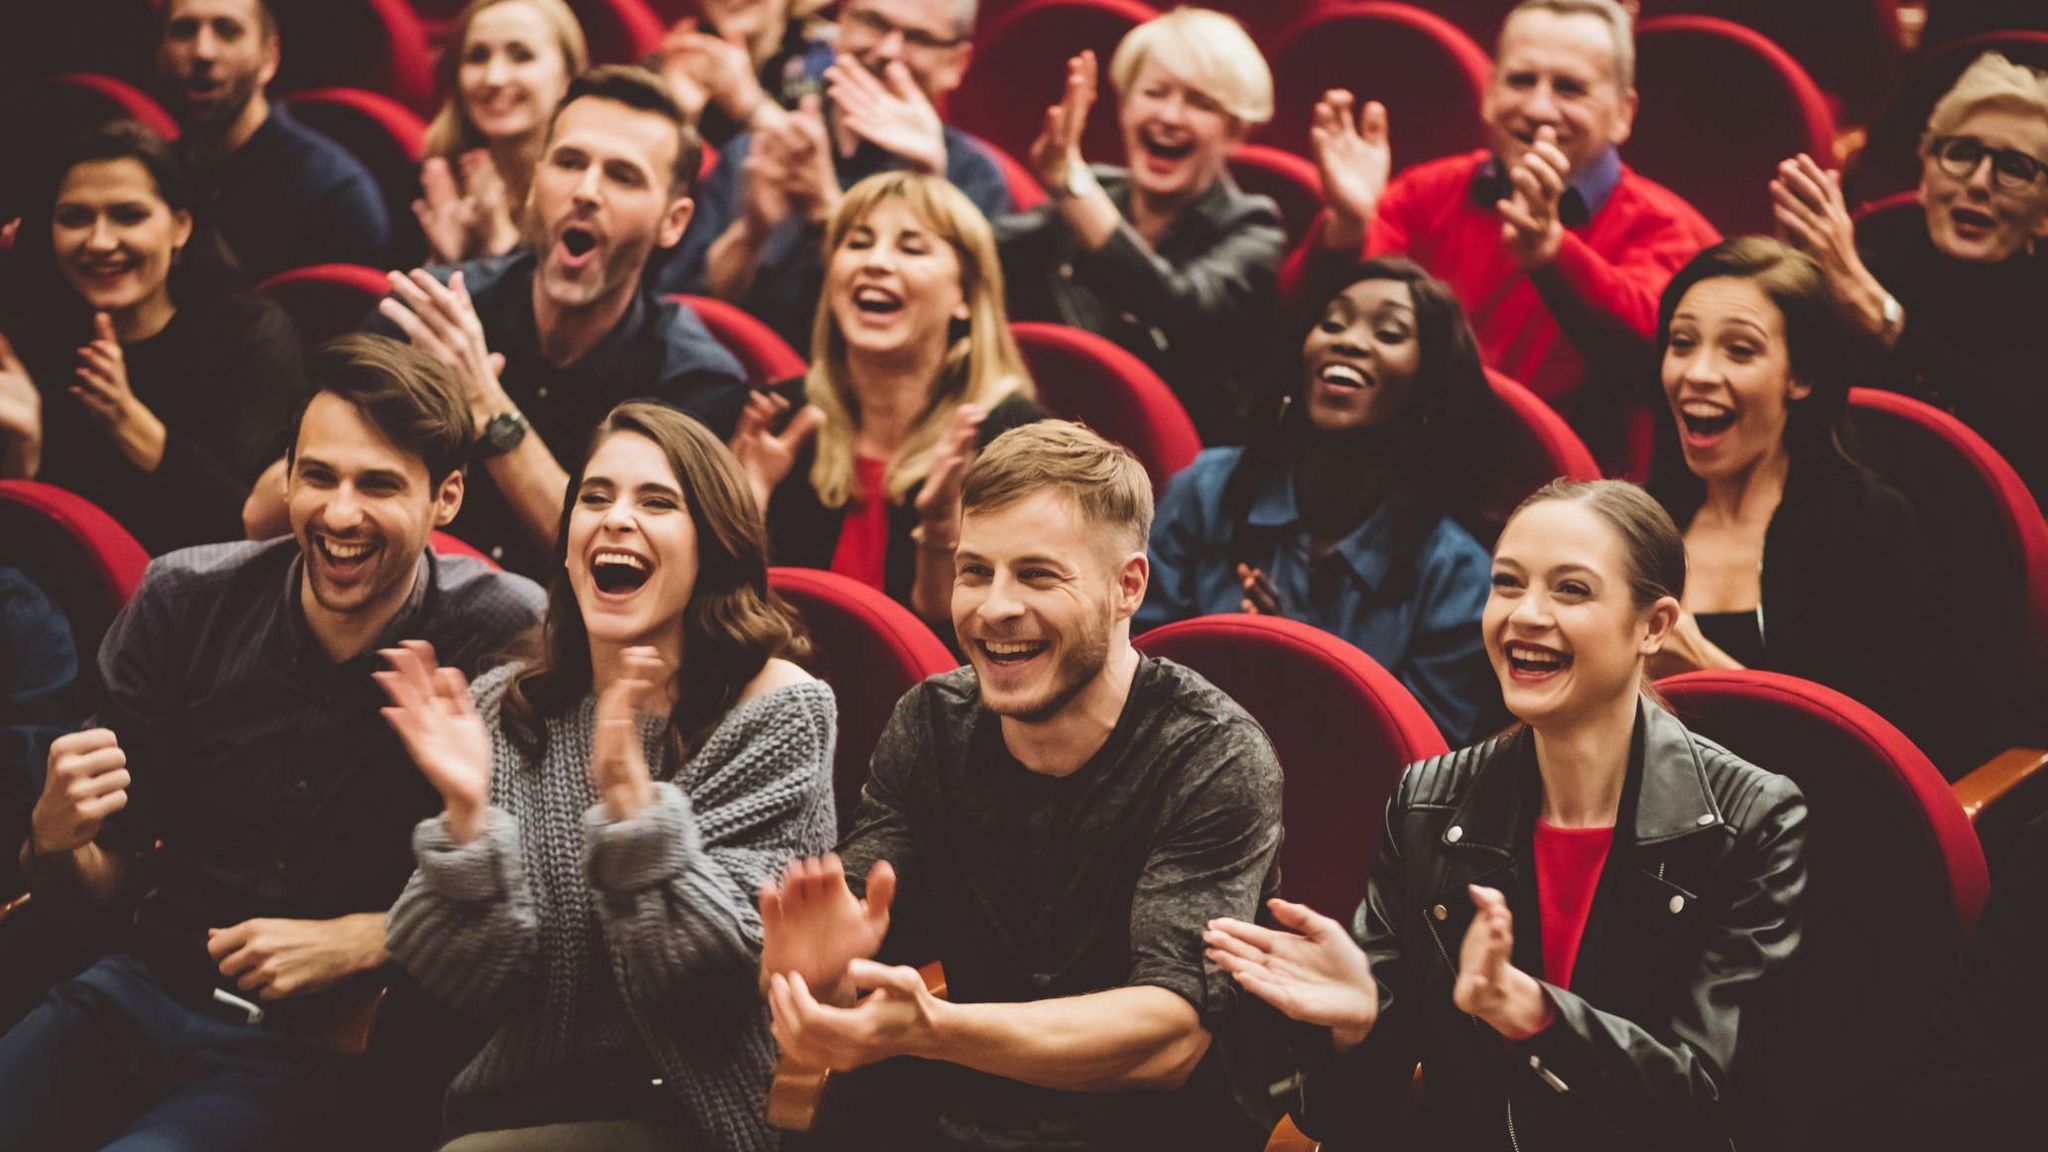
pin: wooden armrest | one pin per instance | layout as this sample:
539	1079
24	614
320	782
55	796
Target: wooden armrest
1997	776
1287	1138
8	909
797	1094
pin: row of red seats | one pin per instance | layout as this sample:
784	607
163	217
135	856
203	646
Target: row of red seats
1692	71
1893	843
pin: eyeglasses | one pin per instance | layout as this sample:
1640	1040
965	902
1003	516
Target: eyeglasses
2011	169
875	27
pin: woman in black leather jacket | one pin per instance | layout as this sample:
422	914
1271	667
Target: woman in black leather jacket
1655	878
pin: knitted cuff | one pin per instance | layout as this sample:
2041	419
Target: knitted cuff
486	869
644	850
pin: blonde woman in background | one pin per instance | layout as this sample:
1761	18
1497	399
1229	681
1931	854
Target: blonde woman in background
913	369
507	65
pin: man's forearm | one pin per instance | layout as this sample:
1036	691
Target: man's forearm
1125	1039
90	871
533	484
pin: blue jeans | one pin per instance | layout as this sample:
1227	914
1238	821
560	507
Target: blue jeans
109	1060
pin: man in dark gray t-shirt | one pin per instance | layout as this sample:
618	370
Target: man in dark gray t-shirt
1055	823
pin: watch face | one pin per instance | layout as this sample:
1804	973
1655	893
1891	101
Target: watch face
504	432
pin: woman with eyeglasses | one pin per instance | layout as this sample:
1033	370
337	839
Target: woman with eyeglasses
1954	292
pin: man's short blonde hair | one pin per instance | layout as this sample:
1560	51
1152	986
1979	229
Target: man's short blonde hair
1205	50
1101	479
1990	79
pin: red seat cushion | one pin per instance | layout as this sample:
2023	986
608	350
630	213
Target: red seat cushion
1695	71
1344	729
871	650
1431	77
1081	376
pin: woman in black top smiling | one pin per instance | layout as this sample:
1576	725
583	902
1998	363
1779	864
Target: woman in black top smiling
144	382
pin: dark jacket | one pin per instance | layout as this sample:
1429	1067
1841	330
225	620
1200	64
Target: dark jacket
803	533
1196	308
1851	601
1697	913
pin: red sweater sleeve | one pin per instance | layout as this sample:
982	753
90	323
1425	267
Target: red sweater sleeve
1651	232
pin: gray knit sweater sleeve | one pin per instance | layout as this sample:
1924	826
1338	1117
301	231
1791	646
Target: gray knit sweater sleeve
675	885
465	926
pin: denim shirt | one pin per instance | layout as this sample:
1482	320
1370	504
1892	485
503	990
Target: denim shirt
1430	640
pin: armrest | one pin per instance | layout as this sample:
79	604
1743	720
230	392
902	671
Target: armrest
1996	777
797	1094
1287	1138
8	909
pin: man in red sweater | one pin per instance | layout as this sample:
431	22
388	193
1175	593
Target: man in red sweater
1558	251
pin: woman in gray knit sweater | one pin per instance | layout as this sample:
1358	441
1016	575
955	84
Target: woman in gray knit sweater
590	888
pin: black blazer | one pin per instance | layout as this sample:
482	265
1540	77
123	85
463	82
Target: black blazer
1696	917
1198	309
804	533
1851	600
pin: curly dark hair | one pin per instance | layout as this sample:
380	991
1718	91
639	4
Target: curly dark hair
733	625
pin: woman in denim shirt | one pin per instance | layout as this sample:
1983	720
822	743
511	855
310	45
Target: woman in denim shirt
1342	511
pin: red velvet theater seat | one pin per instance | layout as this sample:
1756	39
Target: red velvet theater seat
1537	447
326	300
871	650
1344	729
1890	160
619	31
380	45
1896	880
1081	376
1291	181
80	557
766	356
1721	107
1430	76
387	137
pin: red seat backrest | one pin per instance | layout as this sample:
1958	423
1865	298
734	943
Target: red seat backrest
446	545
1344	730
1081	376
1989	546
1431	77
110	98
1020	68
1025	191
1852	48
1538	447
1721	107
766	356
1291	181
1895	874
326	300
619	31
871	650
1890	160
375	44
81	558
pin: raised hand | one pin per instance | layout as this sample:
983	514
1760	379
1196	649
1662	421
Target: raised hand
1058	147
891	112
1489	985
447	217
766	457
813	927
618	759
442	320
711	68
1530	225
494	229
1812	216
813	178
431	711
896	1017
86	782
1260	597
1312	972
938	501
1354	160
21	417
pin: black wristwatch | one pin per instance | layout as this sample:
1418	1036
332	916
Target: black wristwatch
503	432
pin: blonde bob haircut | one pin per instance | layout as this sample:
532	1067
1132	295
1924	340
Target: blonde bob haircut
1990	79
1209	52
982	364
452	132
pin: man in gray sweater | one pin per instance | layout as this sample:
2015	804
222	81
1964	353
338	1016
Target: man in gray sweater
1055	823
